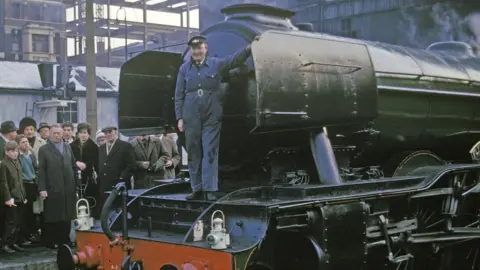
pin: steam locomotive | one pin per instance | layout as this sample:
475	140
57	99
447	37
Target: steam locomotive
336	153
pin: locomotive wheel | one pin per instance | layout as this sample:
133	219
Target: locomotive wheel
259	266
454	255
402	164
276	253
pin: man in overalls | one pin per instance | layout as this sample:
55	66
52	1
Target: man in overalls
199	112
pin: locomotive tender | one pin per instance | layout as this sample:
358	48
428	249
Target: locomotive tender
294	201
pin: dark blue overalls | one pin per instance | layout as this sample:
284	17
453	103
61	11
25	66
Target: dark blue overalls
197	102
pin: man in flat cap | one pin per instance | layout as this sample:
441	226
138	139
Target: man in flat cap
8	132
27	127
44	131
199	112
116	162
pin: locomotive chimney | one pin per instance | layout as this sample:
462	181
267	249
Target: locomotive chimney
308	27
261	14
455	48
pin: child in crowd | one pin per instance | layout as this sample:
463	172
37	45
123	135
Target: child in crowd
28	160
14	196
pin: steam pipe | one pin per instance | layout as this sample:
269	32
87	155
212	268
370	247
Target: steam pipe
125	212
324	158
106	209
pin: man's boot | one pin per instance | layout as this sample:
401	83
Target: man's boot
7	249
210	196
25	243
17	247
196	195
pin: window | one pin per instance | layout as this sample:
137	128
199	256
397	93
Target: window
68	114
16	39
346	26
35	11
57	44
15	47
40	43
53	13
347	29
15	10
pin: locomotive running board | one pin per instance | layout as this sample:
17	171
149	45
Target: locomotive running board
284	197
421	180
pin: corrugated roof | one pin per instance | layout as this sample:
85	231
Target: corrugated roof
107	78
22	75
18	75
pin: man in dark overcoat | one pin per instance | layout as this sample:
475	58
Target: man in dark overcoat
58	187
150	158
116	163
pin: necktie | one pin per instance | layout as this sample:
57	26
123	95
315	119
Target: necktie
109	147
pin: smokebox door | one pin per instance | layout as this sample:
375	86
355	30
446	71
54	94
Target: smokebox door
310	80
146	93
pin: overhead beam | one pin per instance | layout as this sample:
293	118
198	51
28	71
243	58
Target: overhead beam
72	25
164	6
105	35
152	30
153	27
130	35
157	6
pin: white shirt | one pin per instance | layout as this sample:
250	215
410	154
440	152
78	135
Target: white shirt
110	146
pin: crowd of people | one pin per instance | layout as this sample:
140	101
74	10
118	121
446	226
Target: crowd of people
44	170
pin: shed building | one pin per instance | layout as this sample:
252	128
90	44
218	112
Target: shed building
22	94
